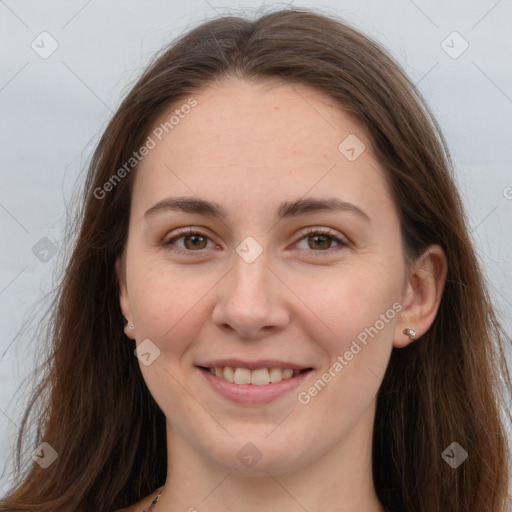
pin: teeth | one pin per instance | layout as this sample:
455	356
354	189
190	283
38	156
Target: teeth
275	374
229	374
242	376
259	377
287	373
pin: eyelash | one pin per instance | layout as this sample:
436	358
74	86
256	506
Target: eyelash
305	234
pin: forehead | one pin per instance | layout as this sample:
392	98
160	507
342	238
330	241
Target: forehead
264	140
249	116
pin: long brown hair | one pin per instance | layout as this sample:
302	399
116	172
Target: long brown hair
93	405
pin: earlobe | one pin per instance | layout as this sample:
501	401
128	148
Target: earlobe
423	293
124	302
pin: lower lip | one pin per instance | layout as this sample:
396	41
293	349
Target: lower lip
249	393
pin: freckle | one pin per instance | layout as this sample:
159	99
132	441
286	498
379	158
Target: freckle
276	108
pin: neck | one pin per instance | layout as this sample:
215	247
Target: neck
340	480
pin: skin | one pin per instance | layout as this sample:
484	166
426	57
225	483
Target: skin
250	146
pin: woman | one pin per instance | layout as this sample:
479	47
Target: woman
272	214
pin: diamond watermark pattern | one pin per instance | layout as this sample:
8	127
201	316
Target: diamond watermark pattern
351	147
147	352
249	250
454	455
454	45
249	455
44	455
44	45
44	250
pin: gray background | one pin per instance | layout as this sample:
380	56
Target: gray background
53	111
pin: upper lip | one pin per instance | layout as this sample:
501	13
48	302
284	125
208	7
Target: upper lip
252	365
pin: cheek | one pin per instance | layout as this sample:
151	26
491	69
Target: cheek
360	309
167	304
352	304
168	308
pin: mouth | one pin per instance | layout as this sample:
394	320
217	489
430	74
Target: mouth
253	383
255	377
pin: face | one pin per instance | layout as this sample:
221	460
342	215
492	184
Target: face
295	301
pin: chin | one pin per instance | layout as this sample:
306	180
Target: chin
258	457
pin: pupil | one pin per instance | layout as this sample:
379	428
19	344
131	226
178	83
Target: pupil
320	237
196	238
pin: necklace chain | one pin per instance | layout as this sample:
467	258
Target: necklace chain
153	503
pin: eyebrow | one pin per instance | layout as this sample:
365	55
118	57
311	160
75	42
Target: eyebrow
287	209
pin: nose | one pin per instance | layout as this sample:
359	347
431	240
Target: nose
251	300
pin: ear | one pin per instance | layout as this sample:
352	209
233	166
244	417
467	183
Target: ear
124	301
422	295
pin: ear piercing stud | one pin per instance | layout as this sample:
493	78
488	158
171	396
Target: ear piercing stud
128	325
410	332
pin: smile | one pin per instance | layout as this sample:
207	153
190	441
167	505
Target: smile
257	377
253	386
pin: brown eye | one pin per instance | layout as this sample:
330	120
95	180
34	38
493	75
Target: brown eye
193	241
321	241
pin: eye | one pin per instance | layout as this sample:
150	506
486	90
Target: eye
193	241
320	240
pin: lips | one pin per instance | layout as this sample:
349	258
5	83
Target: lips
253	381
